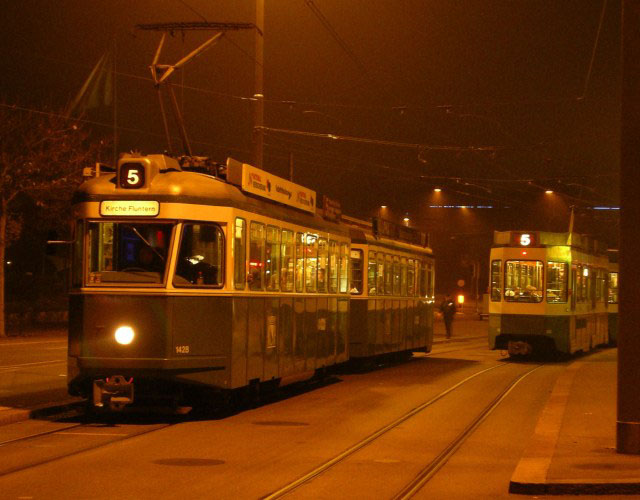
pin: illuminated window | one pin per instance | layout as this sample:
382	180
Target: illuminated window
344	267
239	255
356	271
371	273
380	275
286	261
333	267
396	276
299	262
311	263
388	274
613	288
272	261
523	281
256	256
200	259
127	252
403	277
323	259
496	272
411	278
557	278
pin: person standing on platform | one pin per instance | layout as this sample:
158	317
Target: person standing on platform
448	310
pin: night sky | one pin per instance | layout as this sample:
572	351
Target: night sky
494	101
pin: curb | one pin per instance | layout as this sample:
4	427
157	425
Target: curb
10	415
531	474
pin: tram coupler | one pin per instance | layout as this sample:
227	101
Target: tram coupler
519	348
115	392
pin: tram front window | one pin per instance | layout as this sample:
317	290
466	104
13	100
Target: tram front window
120	252
200	259
523	281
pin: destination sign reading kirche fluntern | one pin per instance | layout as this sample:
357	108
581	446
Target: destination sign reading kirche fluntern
130	208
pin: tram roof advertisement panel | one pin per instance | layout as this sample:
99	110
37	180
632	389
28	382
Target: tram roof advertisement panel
256	181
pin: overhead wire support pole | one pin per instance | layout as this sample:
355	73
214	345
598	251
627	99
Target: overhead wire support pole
258	95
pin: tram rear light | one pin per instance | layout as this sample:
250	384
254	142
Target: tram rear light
124	335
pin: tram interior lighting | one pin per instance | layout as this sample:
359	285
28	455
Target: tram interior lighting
460	299
124	335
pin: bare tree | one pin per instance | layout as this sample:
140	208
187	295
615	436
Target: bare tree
41	153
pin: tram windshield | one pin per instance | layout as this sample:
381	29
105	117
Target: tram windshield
124	252
523	281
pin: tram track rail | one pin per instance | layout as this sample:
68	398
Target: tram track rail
430	469
73	429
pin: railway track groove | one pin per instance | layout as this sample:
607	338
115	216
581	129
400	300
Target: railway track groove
283	491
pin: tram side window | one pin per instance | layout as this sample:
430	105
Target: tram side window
403	277
371	273
380	275
411	278
344	267
286	267
557	279
582	283
496	271
76	265
200	259
239	254
600	285
613	288
256	256
356	271
323	258
299	279
333	267
272	261
311	263
426	280
396	276
388	275
523	281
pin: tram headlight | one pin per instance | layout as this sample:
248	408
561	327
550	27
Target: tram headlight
124	335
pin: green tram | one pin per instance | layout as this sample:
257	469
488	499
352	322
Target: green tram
192	279
548	292
392	290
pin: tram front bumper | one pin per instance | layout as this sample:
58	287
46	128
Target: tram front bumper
115	392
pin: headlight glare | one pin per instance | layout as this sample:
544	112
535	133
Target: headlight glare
124	335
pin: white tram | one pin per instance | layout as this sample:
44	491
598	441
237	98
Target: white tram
548	291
